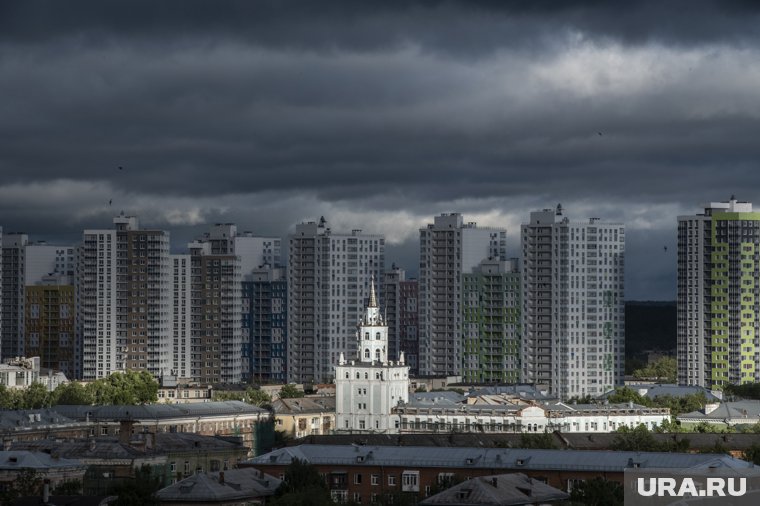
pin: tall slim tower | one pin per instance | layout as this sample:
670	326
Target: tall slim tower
216	337
402	317
573	304
491	316
718	283
369	386
13	279
328	283
448	249
123	293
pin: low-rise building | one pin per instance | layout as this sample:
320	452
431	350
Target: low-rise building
44	423
45	466
451	412
724	414
304	416
498	490
229	418
367	473
235	487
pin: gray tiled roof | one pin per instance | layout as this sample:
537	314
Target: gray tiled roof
82	449
304	405
659	390
497	490
511	458
238	484
27	419
157	411
733	409
20	459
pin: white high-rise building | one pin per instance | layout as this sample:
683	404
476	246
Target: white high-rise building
449	248
368	387
124	303
573	304
328	285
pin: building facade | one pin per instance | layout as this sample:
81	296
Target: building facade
448	249
573	304
123	294
265	326
328	285
491	323
13	282
368	387
402	316
216	337
718	283
50	324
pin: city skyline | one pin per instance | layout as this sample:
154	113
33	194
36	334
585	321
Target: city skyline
377	117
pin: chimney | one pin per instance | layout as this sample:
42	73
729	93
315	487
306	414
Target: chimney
46	492
221	477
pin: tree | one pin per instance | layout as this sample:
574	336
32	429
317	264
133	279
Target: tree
140	491
290	391
36	396
597	492
68	487
752	454
130	387
302	486
27	483
664	369
10	398
257	397
537	441
73	393
625	394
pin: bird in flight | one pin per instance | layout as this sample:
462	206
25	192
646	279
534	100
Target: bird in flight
665	248
599	134
110	201
121	168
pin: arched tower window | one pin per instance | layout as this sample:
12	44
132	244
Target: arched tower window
366	336
377	336
377	355
366	353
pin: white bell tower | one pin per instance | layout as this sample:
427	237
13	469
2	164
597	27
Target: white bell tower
369	387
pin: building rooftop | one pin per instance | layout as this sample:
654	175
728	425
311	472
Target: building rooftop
733	410
497	490
157	411
230	485
510	458
33	419
303	405
659	390
21	459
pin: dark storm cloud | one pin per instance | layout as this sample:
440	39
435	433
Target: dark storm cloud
377	114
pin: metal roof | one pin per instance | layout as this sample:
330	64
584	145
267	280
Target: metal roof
21	459
730	410
158	411
497	490
237	484
489	458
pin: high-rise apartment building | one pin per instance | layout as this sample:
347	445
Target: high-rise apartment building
216	340
123	291
491	316
254	251
328	285
13	282
402	316
265	325
449	248
573	304
718	286
182	321
50	331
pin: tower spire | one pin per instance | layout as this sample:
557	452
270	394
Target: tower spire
372	298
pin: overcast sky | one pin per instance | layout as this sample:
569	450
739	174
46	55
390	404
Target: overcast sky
378	117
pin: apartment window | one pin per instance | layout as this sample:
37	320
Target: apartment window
391	480
173	466
375	479
357	479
